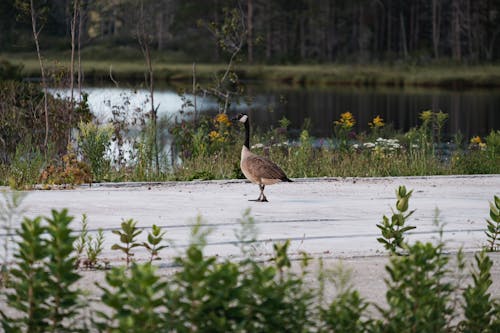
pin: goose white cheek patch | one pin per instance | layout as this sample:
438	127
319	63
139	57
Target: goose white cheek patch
243	118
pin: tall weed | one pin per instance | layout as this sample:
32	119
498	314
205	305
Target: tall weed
94	141
394	229
26	166
493	226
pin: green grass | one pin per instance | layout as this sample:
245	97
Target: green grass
128	65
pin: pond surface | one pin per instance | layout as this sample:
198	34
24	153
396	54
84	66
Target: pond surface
471	112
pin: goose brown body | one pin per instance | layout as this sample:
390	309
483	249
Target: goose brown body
258	169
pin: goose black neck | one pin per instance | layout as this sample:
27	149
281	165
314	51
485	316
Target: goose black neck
247	134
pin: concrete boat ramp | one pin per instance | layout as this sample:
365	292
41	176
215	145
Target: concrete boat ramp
332	218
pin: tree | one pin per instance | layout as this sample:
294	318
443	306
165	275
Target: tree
37	13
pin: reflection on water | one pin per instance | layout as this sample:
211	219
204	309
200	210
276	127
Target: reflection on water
470	112
473	112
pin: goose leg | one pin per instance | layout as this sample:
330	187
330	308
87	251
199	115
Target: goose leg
262	197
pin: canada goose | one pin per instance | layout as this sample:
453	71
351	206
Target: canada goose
257	169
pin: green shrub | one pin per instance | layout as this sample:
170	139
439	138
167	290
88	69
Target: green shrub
210	296
136	299
128	234
94	141
479	307
63	300
29	281
43	278
418	293
26	166
153	244
347	311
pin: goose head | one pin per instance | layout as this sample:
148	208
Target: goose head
242	117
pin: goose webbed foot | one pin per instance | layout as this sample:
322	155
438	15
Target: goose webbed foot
262	197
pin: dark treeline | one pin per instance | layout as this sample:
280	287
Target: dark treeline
279	31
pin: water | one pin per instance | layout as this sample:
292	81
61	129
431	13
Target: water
471	112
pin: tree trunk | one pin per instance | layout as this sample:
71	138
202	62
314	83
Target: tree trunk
144	42
436	26
76	8
250	30
80	76
455	30
159	29
268	31
389	27
195	106
42	70
403	35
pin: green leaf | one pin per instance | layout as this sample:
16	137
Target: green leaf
118	247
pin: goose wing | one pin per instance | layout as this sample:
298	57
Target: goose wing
262	167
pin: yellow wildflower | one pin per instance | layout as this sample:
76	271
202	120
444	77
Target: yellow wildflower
346	120
222	118
217	136
214	135
377	122
476	140
426	115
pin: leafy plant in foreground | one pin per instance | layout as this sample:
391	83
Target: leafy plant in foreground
136	300
248	296
418	293
155	237
63	301
128	235
479	307
345	313
29	281
42	286
93	249
493	232
81	242
10	208
393	230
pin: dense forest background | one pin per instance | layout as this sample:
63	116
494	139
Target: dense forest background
279	31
